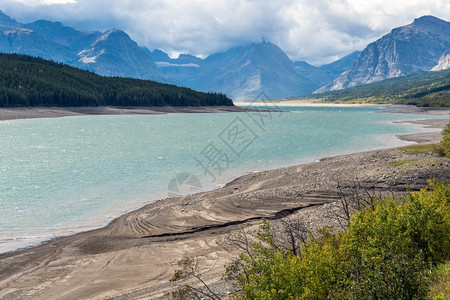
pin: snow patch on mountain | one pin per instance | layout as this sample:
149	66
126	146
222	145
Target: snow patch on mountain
86	56
444	62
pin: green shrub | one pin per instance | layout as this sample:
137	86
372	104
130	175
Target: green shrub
387	252
444	146
270	272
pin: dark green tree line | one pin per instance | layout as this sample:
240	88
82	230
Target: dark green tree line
30	81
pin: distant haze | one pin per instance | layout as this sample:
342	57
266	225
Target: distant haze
318	31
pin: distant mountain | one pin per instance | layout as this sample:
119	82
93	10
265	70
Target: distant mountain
112	53
338	67
444	62
407	49
29	81
181	70
63	35
326	73
159	56
313	73
26	41
241	73
115	54
245	72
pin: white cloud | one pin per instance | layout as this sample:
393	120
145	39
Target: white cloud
317	31
43	2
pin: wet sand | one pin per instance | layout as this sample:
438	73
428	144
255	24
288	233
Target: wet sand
135	255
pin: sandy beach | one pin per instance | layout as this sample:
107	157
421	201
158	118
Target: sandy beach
135	255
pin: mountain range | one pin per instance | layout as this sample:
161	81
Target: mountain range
242	72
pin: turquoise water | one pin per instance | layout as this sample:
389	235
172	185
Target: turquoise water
64	175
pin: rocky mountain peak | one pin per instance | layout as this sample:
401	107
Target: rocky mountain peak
244	72
411	48
63	35
429	21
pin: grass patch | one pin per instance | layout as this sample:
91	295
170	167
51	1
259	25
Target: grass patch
420	148
398	163
440	282
424	164
406	164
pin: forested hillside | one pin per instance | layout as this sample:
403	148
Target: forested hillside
422	89
30	81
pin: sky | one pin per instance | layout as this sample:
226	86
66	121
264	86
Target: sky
316	31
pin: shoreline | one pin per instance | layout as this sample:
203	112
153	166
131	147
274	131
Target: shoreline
16	113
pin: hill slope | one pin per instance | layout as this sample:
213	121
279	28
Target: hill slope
422	89
29	81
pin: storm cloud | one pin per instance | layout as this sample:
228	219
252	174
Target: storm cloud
318	31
